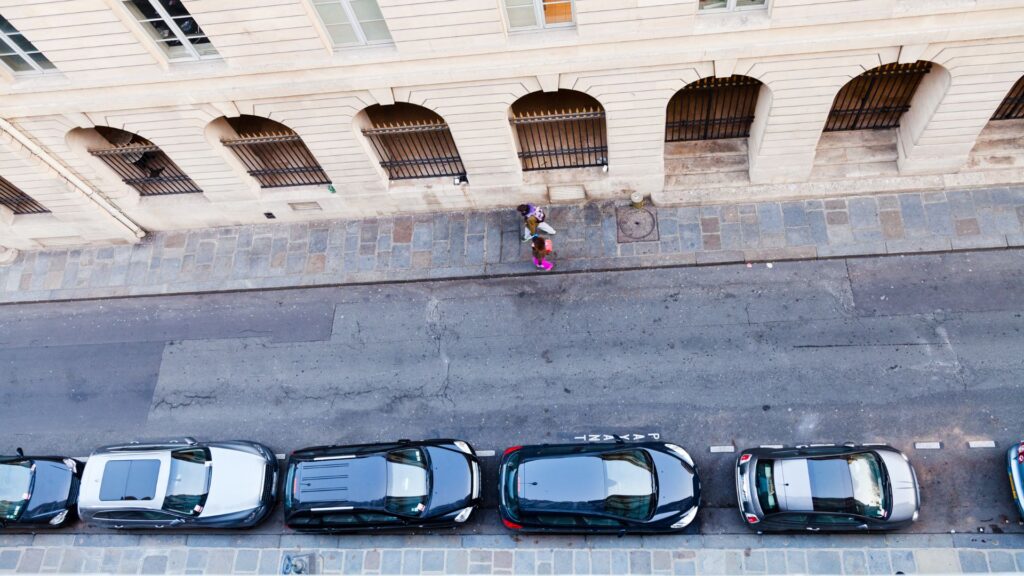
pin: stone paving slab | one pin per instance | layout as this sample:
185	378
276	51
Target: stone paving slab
742	554
479	244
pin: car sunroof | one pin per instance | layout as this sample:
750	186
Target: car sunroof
129	480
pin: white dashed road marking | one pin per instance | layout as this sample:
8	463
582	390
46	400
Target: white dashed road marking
280	456
928	445
981	444
485	453
723	449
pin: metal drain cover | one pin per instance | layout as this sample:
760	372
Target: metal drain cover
636	225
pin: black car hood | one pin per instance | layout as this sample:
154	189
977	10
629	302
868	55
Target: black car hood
49	492
678	489
451	482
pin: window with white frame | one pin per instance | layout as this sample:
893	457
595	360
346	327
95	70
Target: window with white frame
20	55
171	26
525	14
730	5
353	22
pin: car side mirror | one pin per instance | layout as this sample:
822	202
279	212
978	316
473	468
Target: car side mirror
621	533
21	453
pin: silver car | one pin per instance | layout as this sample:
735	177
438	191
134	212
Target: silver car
179	482
827	488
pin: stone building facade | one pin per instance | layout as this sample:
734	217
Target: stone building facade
119	117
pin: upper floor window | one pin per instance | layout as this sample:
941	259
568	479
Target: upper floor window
730	5
173	28
524	14
353	22
18	53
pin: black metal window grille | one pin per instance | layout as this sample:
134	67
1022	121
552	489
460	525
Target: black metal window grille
712	108
561	139
147	169
278	159
416	149
876	99
20	203
1012	107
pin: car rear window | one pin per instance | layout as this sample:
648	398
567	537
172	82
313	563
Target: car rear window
129	480
764	479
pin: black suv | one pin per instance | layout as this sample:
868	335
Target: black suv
369	487
616	487
38	490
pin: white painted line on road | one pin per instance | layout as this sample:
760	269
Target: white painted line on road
774	446
928	445
280	456
485	453
981	444
722	449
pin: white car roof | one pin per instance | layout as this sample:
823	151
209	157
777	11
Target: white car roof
95	468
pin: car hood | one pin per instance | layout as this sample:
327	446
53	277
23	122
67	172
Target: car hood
50	491
678	486
236	482
451	480
903	484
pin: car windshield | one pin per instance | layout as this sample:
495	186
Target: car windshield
189	481
407	482
851	484
15	488
629	484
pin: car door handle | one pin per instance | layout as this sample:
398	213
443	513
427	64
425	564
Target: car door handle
813	529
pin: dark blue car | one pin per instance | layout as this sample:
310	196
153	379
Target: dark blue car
38	490
1015	467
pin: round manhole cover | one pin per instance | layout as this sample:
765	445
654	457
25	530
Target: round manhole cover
636	223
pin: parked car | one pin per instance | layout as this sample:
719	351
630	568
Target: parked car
609	487
1015	467
367	487
38	490
179	482
827	488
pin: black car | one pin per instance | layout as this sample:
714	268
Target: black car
615	487
366	487
179	482
827	488
38	490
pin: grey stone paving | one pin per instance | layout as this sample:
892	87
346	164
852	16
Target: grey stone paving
463	244
169	554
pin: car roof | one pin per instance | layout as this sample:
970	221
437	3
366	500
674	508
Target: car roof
564	482
108	479
350	480
800	480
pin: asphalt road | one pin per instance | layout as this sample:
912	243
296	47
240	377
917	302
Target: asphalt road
897	350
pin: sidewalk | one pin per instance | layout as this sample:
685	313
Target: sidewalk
383	554
451	245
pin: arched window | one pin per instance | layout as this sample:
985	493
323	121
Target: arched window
17	201
142	164
1012	107
274	154
712	109
412	142
876	99
563	129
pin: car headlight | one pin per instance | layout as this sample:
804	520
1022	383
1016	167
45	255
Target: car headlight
686	519
914	517
681	453
463	446
464	514
59	518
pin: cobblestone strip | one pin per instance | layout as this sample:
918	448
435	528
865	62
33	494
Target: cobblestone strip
488	243
787	559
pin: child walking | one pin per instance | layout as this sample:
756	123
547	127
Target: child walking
541	248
